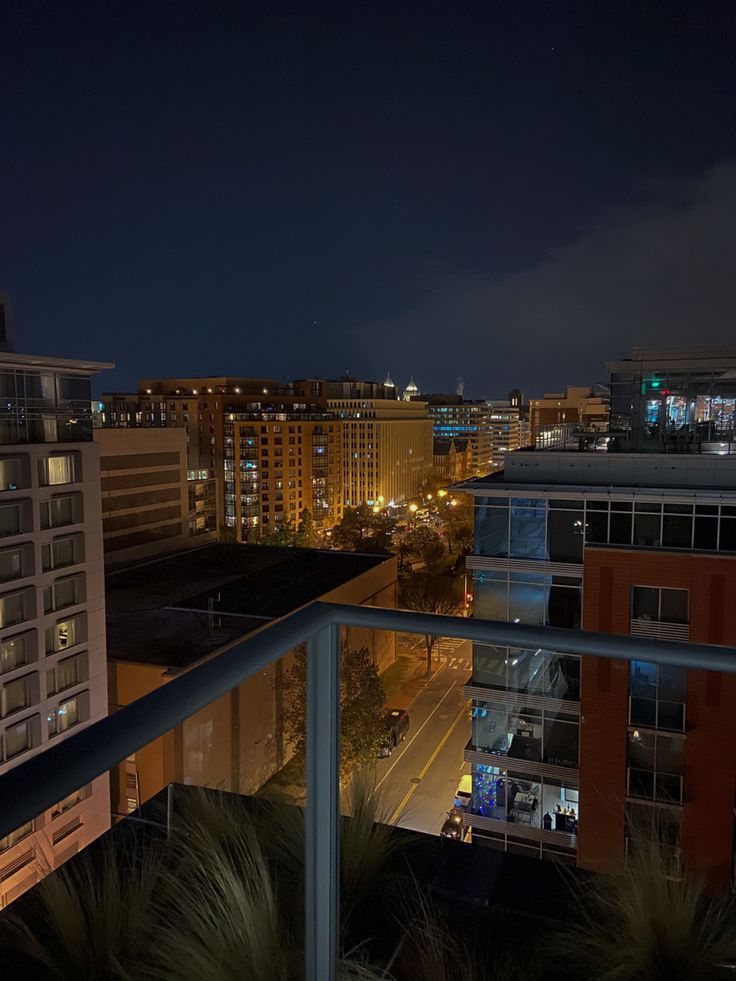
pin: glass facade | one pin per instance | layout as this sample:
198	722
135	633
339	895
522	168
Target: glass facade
44	406
528	800
558	530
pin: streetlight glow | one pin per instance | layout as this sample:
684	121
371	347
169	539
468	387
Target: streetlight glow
442	493
413	508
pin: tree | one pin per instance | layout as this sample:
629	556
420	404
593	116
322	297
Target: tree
363	531
433	554
284	533
427	593
464	538
362	701
306	534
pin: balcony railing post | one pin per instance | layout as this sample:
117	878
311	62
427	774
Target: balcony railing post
323	806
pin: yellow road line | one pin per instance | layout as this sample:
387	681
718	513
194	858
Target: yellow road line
395	816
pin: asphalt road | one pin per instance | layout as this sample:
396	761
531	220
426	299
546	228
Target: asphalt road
418	782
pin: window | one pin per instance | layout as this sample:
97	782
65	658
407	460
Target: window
655	766
68	802
63	717
12	608
60	511
528	529
659	604
14	652
66	674
59	553
64	634
62	593
57	470
11	474
565	526
15	836
657	696
15	696
10	520
17	739
11	564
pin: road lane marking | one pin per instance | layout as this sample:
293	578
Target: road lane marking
405	747
397	813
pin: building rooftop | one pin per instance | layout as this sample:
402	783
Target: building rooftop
703	476
158	611
46	361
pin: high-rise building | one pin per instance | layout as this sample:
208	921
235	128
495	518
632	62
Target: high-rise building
571	755
386	449
209	409
5	340
509	428
680	400
453	416
53	669
283	467
579	408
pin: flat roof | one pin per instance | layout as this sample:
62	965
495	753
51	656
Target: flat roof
157	611
47	361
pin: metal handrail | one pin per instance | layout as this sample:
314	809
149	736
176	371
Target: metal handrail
36	785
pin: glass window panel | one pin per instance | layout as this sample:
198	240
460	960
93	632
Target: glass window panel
527	602
57	470
641	783
528	532
672	683
727	540
490	598
670	715
647	507
620	529
492	531
710	509
10	564
563	607
565	536
11	475
645	603
15	696
647	530
670	754
677	531
641	750
678	509
643	679
668	787
10	520
15	836
622	505
597	505
596	527
674	606
567	505
17	739
13	652
561	743
706	533
12	609
489	665
644	712
67	673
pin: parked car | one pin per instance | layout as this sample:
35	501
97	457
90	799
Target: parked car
396	727
454	827
464	792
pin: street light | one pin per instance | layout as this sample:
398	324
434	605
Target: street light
429	497
413	508
376	509
453	502
381	499
442	493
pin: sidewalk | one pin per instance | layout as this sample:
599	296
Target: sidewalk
403	681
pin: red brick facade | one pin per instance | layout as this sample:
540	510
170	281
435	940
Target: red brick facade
710	755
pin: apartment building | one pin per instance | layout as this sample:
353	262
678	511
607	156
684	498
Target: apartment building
284	467
571	755
456	417
207	408
387	449
145	504
577	407
53	669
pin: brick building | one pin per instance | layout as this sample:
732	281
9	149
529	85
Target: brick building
598	749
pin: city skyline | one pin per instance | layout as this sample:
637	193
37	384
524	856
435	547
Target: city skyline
368	185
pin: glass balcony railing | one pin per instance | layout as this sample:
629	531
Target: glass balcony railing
530	792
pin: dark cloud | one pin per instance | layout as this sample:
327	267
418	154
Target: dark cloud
661	271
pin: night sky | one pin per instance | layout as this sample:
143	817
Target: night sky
509	192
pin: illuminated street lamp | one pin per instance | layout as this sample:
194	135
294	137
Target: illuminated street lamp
429	497
453	502
413	508
376	509
381	499
442	493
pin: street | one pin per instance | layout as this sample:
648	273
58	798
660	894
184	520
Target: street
418	782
